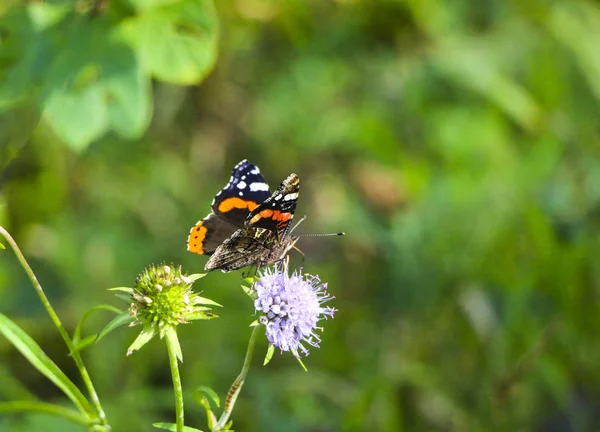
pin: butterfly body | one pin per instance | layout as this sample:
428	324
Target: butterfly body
248	226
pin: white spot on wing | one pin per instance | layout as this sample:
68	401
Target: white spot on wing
259	187
241	194
241	185
290	197
255	171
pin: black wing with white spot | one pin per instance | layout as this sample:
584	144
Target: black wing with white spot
245	190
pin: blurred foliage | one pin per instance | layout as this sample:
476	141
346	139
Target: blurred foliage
456	143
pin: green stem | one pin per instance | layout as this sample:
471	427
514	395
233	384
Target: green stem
58	324
236	387
176	386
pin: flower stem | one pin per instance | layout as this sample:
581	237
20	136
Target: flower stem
236	387
174	363
58	324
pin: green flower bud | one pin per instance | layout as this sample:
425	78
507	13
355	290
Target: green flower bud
162	299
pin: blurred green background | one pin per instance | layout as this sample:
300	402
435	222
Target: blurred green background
456	143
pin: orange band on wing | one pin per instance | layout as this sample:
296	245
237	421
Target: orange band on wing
196	238
236	203
276	215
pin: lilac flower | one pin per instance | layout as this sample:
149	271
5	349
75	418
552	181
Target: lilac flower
291	308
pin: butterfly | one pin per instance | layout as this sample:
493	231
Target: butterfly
248	225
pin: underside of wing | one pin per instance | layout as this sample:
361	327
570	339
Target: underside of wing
240	250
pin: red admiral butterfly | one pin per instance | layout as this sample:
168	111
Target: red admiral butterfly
247	225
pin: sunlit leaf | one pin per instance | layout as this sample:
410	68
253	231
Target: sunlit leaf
143	338
178	42
210	393
78	116
269	355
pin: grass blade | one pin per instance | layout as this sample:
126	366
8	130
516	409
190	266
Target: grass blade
38	358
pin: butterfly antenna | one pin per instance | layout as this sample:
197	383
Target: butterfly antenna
322	235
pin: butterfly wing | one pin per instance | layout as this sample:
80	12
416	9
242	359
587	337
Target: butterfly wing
245	190
277	211
242	249
208	234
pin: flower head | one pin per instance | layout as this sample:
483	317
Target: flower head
291	307
162	299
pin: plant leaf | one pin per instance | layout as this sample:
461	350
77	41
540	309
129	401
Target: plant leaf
78	116
201	316
38	358
127	290
194	277
249	291
176	42
210	393
77	333
173	427
269	356
118	321
205	301
143	338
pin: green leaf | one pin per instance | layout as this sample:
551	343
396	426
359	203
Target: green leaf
2	246
38	358
78	116
128	90
143	338
194	277
269	356
249	291
77	333
200	398
95	85
173	341
177	42
118	321
45	408
201	316
123	289
204	301
173	427
210	393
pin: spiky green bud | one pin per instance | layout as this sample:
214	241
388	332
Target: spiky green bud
162	299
